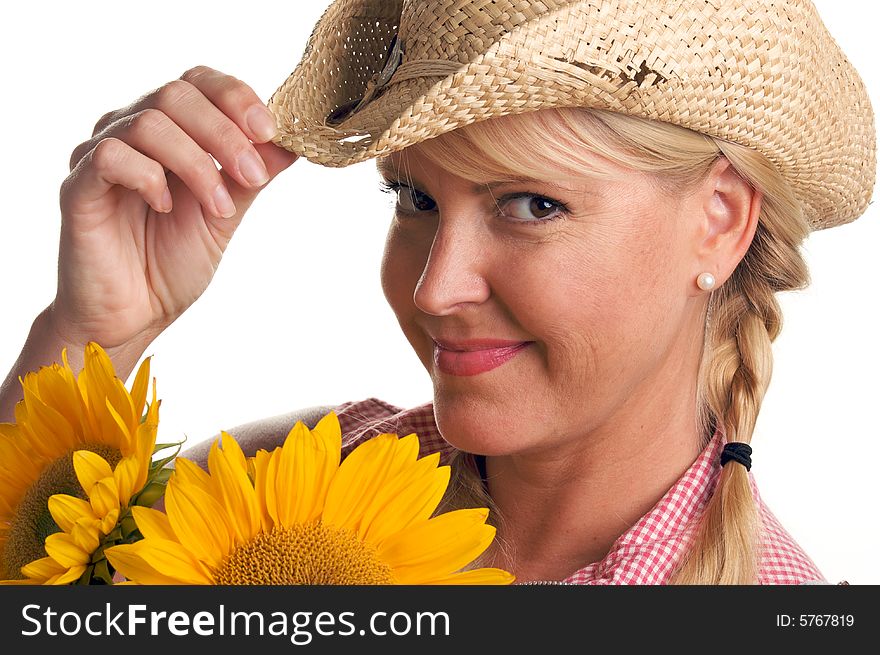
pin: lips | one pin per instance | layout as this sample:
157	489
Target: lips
475	356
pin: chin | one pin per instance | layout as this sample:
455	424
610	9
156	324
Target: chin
476	425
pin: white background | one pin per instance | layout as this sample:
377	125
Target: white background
295	315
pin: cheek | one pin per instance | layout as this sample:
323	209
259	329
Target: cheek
402	266
396	274
574	307
604	304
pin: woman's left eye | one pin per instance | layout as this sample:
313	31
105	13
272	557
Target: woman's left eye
540	208
516	208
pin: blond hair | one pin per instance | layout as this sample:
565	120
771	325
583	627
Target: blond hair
743	315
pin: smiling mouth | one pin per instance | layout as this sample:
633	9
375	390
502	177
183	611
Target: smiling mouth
476	360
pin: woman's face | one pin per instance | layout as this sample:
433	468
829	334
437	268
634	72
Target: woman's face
603	292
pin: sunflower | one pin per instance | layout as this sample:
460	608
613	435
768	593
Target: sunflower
95	416
298	516
89	526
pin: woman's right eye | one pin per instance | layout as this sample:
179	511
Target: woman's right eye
409	201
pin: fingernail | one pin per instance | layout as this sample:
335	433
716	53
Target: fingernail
252	168
261	123
166	201
223	202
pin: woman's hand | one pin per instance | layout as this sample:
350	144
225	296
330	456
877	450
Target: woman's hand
146	214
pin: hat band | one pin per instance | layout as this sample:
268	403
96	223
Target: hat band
426	68
395	70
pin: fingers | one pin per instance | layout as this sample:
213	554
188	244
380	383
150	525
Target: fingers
232	96
154	134
186	124
113	162
236	100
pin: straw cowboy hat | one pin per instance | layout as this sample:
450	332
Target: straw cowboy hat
380	75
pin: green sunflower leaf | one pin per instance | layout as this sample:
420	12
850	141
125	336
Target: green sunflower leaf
150	494
102	573
128	526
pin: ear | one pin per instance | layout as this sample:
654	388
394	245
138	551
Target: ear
729	208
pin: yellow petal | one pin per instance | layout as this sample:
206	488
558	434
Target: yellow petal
285	502
168	558
66	510
21	413
191	474
363	474
8	431
45	420
60	391
442	545
100	393
63	549
17	467
199	522
19	583
109	521
117	430
104	497
228	468
58	575
78	400
306	466
49	420
124	405
102	378
260	465
409	498
153	524
85	535
327	442
42	569
140	386
90	467
328	434
71	575
487	576
97	377
125	475
231	450
126	560
268	485
145	438
328	430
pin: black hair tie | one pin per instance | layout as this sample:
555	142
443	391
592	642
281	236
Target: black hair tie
480	461
738	452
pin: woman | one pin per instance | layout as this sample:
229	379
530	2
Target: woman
639	311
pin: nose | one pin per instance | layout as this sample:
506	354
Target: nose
453	276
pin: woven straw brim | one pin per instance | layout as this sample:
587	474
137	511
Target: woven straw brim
765	75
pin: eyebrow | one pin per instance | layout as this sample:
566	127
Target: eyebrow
387	171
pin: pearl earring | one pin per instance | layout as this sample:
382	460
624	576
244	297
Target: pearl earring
706	281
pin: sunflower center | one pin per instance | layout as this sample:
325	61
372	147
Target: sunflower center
32	523
304	555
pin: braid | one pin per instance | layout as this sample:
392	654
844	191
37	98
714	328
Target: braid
735	372
747	319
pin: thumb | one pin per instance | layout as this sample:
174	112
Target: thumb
275	157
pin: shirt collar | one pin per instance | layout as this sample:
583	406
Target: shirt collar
648	552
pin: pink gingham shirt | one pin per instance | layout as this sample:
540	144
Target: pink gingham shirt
645	554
